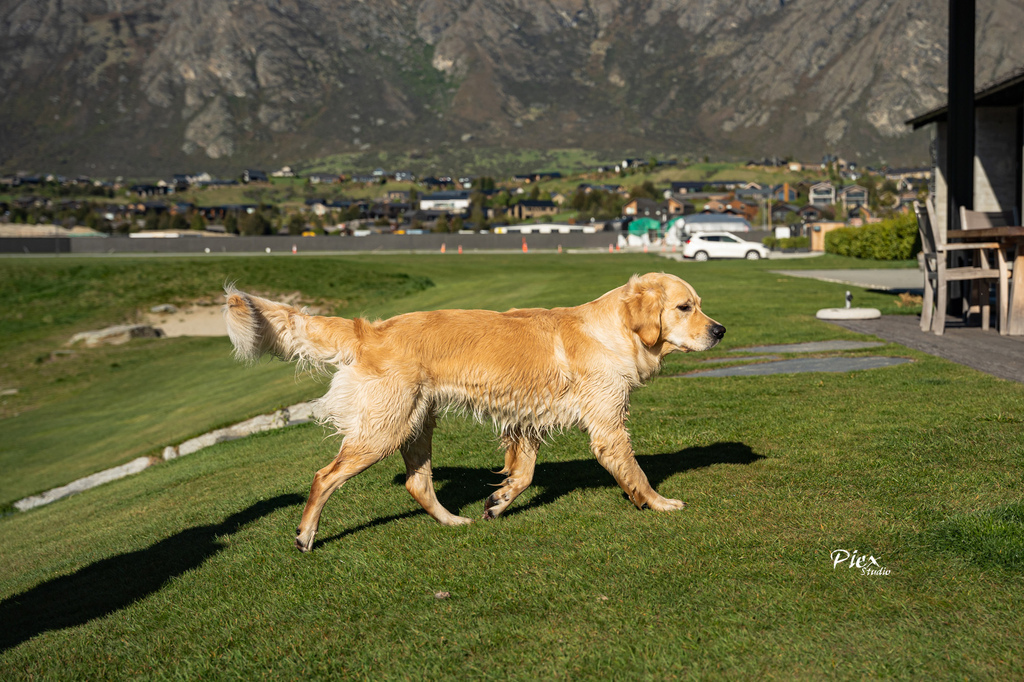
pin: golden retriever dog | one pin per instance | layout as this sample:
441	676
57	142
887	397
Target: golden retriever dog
531	371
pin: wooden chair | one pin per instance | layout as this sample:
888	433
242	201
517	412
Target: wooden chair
978	220
938	272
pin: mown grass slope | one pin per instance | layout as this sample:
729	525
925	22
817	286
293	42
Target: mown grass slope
188	570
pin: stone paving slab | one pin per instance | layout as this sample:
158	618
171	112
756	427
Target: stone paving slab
811	347
800	365
717	361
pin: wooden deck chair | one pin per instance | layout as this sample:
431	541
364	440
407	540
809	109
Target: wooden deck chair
938	272
978	220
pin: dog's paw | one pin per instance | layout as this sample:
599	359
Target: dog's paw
495	504
666	504
303	544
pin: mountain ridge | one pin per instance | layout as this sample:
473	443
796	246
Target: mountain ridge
136	86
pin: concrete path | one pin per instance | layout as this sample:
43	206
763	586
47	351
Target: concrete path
897	279
986	351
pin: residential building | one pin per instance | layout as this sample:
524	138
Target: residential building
676	204
822	194
250	175
853	196
456	201
644	207
533	208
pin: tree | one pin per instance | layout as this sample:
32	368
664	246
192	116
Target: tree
231	223
645	190
198	222
296	224
178	223
478	218
456	224
254	224
442	224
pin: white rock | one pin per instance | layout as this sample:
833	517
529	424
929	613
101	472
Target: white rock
116	335
300	413
99	478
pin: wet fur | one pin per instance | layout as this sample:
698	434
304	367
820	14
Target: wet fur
531	371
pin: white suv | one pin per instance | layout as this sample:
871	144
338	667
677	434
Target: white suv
704	245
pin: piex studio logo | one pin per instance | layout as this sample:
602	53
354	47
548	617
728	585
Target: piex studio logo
867	564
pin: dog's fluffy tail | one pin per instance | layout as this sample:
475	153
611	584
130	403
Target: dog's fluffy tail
257	326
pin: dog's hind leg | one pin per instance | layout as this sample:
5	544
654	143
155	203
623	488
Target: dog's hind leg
615	453
354	457
419	478
520	460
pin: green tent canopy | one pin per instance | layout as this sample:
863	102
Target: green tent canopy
644	225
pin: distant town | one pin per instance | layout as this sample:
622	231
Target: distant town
646	197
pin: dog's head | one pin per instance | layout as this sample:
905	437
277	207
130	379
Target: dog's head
663	309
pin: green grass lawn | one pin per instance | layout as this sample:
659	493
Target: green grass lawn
187	570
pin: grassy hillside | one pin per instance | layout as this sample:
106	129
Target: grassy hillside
188	571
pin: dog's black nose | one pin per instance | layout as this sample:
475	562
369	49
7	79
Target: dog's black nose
718	331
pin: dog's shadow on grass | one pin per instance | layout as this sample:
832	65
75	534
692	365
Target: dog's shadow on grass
458	487
111	584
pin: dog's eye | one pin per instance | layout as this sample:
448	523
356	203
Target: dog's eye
685	307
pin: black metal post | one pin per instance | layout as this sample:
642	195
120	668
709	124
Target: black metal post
960	140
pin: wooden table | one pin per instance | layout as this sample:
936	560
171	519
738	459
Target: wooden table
1012	239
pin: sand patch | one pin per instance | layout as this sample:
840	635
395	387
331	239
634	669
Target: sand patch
204	317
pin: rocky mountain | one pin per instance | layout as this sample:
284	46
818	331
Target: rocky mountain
153	86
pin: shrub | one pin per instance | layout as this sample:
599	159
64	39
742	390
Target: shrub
787	242
892	239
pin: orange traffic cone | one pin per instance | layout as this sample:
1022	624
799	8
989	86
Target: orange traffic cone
442	247
460	248
525	249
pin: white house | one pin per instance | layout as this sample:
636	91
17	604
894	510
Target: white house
456	201
822	194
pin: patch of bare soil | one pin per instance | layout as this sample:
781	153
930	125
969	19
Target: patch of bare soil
204	317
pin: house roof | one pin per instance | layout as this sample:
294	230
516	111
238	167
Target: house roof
441	196
1007	91
644	202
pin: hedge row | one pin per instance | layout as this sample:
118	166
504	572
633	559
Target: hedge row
892	239
787	242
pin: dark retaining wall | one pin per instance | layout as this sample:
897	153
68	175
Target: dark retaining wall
383	242
35	245
277	244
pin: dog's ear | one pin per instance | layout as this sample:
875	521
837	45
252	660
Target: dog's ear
643	303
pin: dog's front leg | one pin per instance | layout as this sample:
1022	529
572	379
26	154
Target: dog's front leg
615	453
